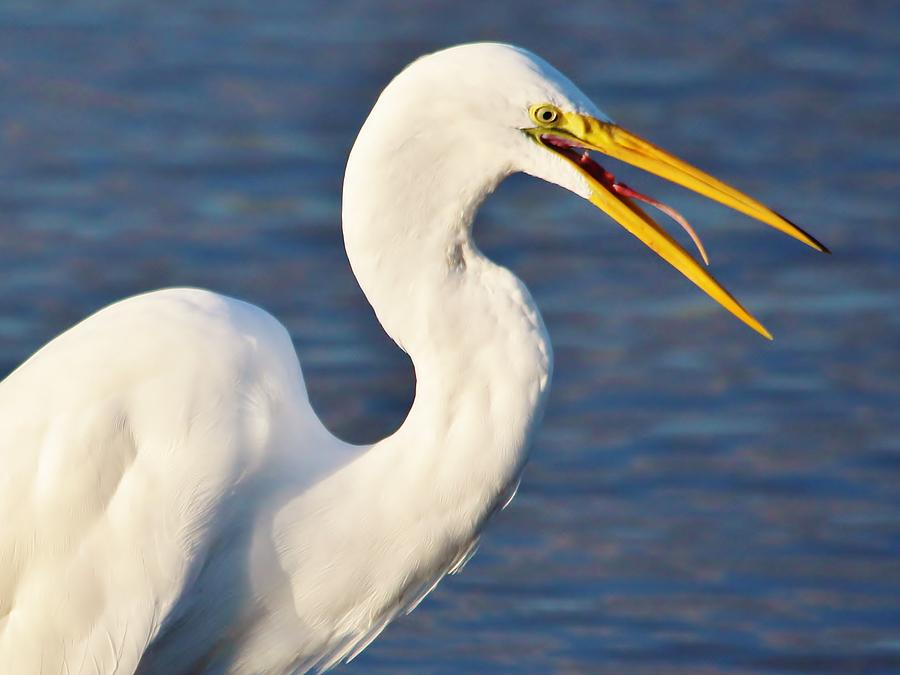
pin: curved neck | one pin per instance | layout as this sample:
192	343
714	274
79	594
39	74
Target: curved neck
413	504
477	341
407	224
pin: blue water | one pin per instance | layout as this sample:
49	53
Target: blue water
699	500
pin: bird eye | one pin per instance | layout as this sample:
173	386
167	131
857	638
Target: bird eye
544	114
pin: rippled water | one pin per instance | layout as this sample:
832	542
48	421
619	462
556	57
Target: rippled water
699	500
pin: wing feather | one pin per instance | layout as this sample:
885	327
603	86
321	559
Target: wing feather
119	442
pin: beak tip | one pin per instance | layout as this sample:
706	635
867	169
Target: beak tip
750	320
762	330
809	239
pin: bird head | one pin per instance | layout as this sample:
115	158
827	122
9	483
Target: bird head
494	109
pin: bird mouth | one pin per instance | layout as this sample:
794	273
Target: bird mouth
573	137
580	156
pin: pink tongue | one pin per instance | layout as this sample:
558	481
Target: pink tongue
620	188
626	191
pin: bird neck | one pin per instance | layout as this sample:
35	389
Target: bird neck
477	341
412	505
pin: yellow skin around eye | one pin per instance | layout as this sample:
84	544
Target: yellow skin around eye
544	113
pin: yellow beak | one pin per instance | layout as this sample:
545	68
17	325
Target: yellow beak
589	133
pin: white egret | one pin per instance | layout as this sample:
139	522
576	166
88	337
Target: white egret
171	504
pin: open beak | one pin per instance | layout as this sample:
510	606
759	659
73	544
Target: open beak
572	135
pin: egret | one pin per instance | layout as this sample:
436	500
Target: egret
170	502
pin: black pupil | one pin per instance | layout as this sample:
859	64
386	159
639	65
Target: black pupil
547	115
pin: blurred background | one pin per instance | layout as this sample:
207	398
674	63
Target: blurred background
699	500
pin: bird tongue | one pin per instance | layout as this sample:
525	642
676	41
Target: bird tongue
608	180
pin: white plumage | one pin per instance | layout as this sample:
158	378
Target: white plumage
171	504
169	498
